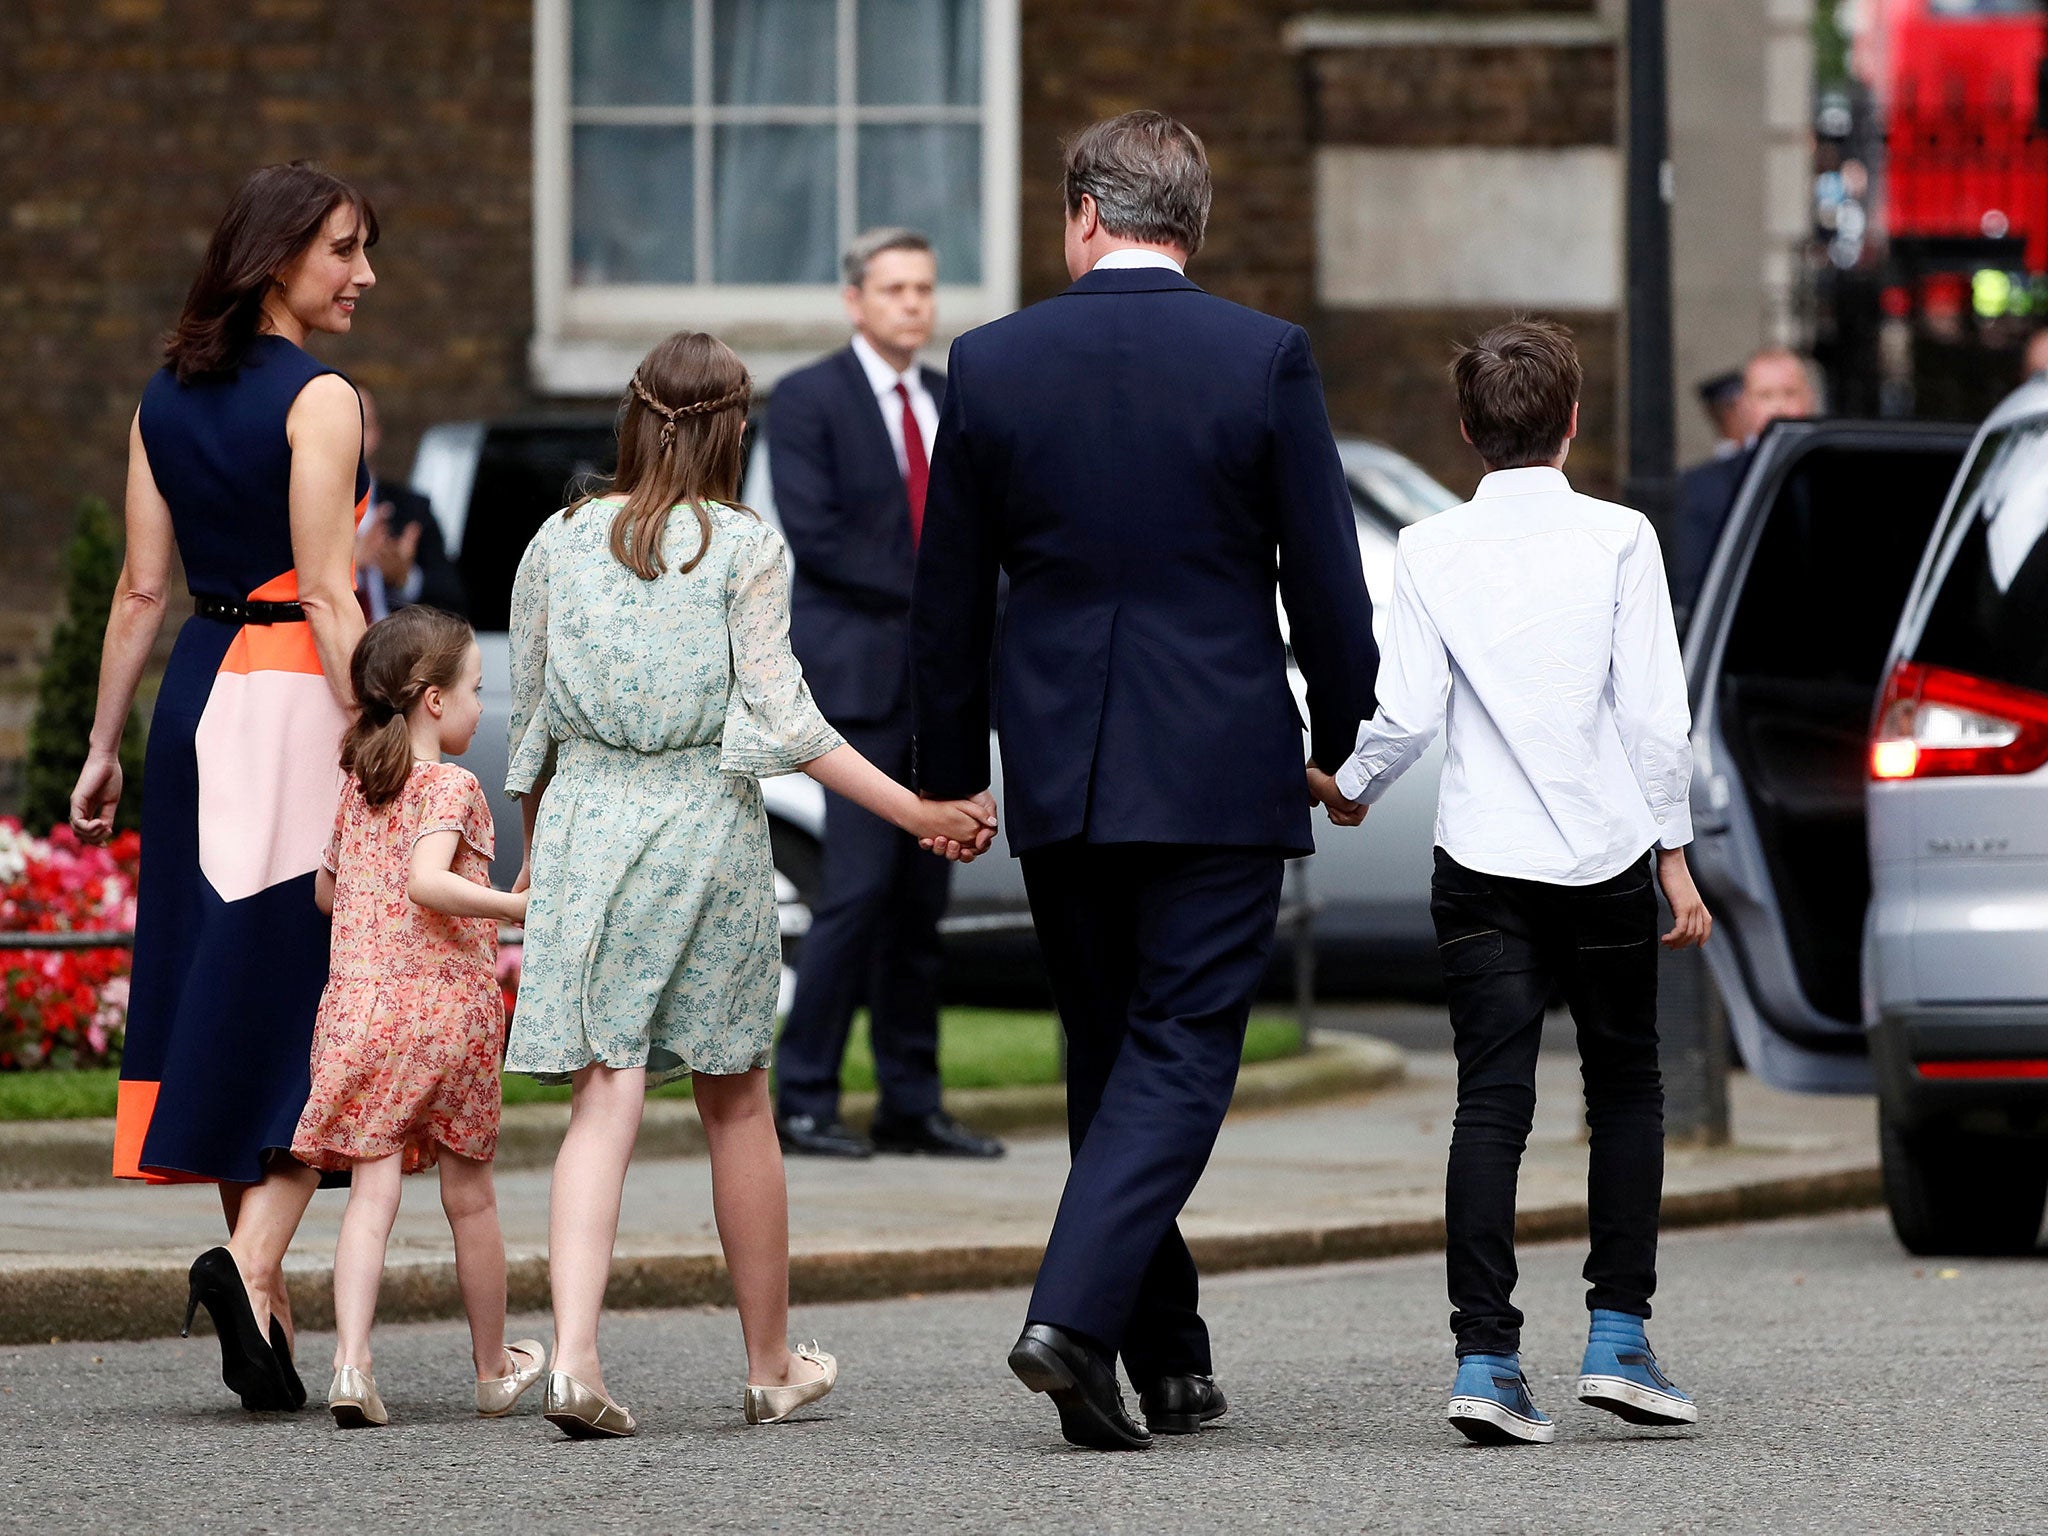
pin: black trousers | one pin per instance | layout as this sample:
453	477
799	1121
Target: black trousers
1506	946
874	939
1155	952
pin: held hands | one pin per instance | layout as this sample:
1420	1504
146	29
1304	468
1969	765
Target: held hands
956	830
1323	791
95	796
1692	922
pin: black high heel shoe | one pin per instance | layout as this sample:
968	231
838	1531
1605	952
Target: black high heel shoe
248	1365
281	1347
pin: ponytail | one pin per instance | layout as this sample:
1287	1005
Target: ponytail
395	663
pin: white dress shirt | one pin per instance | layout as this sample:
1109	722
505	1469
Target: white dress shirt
1537	622
883	380
1131	256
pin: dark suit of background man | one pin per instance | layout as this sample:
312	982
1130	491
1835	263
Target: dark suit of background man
1141	459
848	439
400	556
1775	384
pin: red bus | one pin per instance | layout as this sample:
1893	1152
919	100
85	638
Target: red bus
1957	82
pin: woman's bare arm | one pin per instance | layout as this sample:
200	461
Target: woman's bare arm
325	429
133	624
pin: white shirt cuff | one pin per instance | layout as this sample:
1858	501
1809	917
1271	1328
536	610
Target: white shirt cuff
1350	781
1674	826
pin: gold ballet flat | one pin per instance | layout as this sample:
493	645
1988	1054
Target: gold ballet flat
584	1413
496	1397
771	1405
352	1399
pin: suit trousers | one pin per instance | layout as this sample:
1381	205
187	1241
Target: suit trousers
875	939
1507	945
1155	952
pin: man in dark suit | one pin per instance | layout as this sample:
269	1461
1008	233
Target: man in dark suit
1776	383
401	558
847	453
1141	459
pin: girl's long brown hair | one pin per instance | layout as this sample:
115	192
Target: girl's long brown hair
682	430
396	661
275	215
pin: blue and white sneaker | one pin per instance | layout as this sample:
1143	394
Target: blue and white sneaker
1621	1375
1491	1405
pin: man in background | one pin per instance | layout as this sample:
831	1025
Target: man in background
849	440
1776	385
1721	398
400	556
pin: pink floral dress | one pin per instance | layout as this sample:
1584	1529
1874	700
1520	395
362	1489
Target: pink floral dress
411	1027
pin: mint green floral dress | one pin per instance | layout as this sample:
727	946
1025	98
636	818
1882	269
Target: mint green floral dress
645	713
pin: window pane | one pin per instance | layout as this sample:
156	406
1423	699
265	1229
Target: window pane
920	52
632	52
927	175
777	216
776	52
631	212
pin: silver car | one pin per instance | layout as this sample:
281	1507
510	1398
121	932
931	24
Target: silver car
493	483
1869	667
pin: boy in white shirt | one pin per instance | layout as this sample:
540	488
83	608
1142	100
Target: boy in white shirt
1536	624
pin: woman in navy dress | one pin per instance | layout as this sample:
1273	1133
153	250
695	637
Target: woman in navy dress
246	458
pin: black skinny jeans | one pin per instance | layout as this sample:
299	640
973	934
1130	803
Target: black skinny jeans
1506	944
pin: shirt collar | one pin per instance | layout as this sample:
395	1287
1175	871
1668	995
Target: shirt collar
883	379
1531	480
1131	256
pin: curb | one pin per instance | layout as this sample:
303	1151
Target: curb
145	1301
76	1154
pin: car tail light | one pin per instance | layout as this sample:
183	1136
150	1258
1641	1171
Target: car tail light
1934	723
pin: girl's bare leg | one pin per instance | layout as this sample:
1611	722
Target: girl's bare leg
264	1217
583	1208
359	1256
751	1202
470	1200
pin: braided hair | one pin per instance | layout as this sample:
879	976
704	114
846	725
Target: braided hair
682	434
395	663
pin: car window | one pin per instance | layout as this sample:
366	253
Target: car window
1989	617
524	473
1390	490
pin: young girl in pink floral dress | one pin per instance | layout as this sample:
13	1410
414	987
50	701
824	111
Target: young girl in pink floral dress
412	1025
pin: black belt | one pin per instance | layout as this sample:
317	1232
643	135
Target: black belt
237	610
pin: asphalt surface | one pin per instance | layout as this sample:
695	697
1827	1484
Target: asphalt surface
1844	1386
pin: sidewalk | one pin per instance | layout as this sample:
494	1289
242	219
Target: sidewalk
1332	1181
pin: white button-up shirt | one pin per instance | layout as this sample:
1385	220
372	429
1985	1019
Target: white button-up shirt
1536	621
883	380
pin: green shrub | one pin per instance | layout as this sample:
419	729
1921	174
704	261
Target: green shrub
67	690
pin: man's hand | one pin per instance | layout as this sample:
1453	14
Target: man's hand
393	554
1692	922
984	806
1323	791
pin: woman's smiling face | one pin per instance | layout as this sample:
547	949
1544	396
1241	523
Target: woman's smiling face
320	288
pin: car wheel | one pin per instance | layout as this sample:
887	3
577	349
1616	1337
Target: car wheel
1951	1192
799	863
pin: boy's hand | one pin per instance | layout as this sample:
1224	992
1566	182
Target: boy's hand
1323	791
1692	923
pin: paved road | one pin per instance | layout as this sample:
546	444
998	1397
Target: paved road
1844	1387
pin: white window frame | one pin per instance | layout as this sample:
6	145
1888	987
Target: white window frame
587	339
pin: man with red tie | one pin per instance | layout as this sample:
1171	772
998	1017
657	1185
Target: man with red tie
849	440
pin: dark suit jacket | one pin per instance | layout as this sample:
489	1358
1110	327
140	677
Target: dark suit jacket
1142	459
440	582
846	514
1706	495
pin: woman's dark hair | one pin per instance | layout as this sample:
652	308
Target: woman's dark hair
396	661
682	427
276	214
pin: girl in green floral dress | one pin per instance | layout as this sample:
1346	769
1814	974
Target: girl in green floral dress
653	687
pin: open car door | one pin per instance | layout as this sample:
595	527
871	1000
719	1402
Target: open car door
1784	658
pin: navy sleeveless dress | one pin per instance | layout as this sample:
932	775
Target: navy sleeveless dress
241	780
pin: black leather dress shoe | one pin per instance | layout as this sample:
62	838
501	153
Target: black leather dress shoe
937	1134
808	1136
1180	1405
1082	1386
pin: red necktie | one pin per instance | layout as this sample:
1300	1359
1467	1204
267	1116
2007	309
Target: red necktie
917	474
